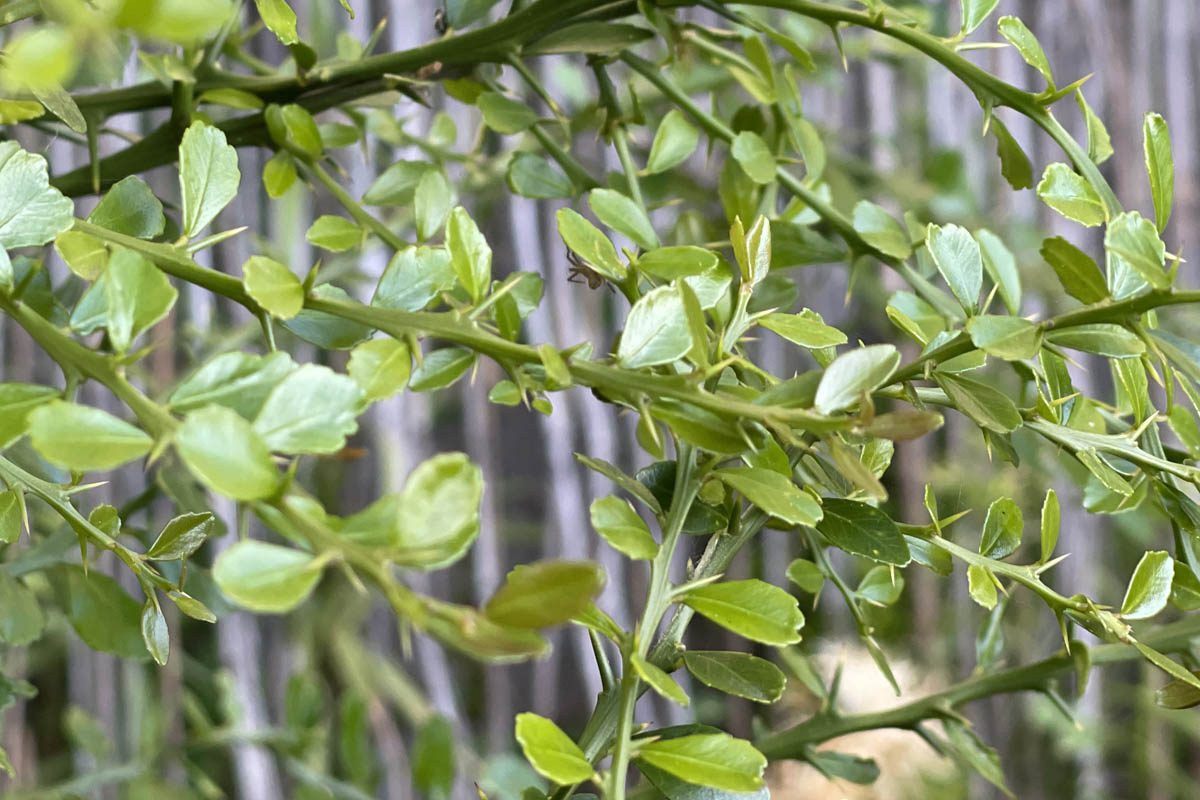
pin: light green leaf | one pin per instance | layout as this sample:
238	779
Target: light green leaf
337	234
669	263
1150	586
805	329
1100	147
273	286
623	215
17	401
1001	266
1009	338
589	37
83	439
131	208
470	255
437	514
533	176
806	574
754	157
503	114
1002	529
1101	338
104	616
266	578
1071	195
616	521
182	536
441	368
1014	163
853	373
981	586
380	367
864	531
674	141
750	608
773	493
21	617
12	512
312	410
1051	517
293	128
154	632
208	175
958	259
226	454
550	751
986	405
545	593
431	203
881	586
659	681
1027	45
240	381
586	241
84	255
738	674
31	211
1160	166
716	760
1076	270
880	230
1133	242
414	276
752	249
279	18
656	330
974	12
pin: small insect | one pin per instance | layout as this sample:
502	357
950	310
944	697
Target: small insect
582	272
440	23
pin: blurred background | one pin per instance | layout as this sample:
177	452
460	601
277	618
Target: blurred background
331	702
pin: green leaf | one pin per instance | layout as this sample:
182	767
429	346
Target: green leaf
293	128
1099	144
880	230
669	263
988	407
1002	529
1071	195
754	157
708	759
437	514
656	330
1150	586
974	12
550	751
273	286
12	513
659	681
1001	266
266	578
1051	520
233	98
957	257
397	184
981	586
855	769
773	493
469	631
21	617
17	402
414	276
182	537
805	329
853	373
312	410
226	454
441	368
545	593
1076	270
279	18
752	249
83	439
700	427
461	13
1103	472
1101	338
807	575
84	255
1009	338
1014	163
623	215
1132	241
738	674
279	174
597	38
380	367
505	115
104	616
240	381
470	255
1178	694
131	208
208	175
616	521
750	608
674	141
1027	45
32	212
433	757
337	234
535	177
864	531
1160	166
586	241
154	632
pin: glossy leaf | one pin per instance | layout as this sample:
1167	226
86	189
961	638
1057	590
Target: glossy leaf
616	521
709	759
83	439
750	608
1150	586
545	593
738	674
550	751
208	175
853	373
773	493
266	578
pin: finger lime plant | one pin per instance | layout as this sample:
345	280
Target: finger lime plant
730	450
